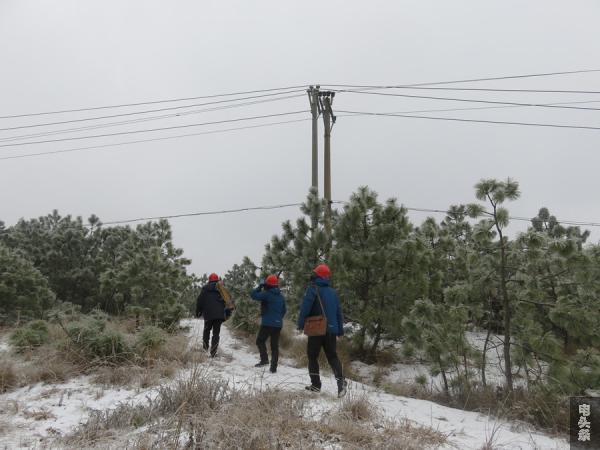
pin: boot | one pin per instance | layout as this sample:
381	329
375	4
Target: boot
313	388
342	387
273	368
262	364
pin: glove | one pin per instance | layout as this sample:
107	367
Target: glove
261	284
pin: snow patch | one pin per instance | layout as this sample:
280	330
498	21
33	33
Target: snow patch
38	413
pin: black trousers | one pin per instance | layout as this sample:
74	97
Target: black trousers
215	326
264	333
313	349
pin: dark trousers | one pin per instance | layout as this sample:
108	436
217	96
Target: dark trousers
264	333
215	326
313	348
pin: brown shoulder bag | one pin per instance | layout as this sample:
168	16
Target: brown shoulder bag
316	325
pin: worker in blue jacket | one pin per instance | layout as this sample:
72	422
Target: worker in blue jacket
272	310
320	287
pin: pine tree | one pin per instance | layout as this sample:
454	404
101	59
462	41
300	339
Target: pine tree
438	330
24	291
113	268
376	263
299	249
240	280
495	193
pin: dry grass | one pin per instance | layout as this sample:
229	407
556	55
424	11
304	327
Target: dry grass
412	390
386	435
40	414
379	375
270	419
4	427
58	361
197	394
544	410
117	376
203	411
42	365
491	436
8	376
358	407
49	366
387	357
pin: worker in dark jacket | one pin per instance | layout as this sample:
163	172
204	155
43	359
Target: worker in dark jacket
320	287
272	310
210	305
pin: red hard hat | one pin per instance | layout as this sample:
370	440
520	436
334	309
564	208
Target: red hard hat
322	271
272	280
213	277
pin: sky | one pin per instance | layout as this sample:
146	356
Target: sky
73	54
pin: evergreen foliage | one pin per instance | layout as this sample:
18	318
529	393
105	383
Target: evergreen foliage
299	249
424	286
31	335
91	336
240	280
150	339
376	264
427	286
112	268
24	291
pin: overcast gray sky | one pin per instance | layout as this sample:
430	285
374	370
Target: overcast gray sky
72	54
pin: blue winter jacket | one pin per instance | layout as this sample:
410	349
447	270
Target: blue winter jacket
333	310
272	308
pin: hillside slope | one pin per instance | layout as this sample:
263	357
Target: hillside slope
34	416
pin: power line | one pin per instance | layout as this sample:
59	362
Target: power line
152	102
30	155
477	108
454	99
203	213
471	80
171	108
524	219
144	119
536	91
564	222
121	133
456	119
180	114
288	205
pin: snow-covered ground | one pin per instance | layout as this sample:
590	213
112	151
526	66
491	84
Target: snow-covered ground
34	413
30	417
407	372
4	347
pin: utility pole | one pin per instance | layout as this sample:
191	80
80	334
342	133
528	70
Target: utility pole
328	119
315	109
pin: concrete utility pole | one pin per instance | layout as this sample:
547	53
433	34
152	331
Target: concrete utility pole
313	98
328	118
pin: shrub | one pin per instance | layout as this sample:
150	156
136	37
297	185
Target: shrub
168	315
149	340
33	334
93	340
